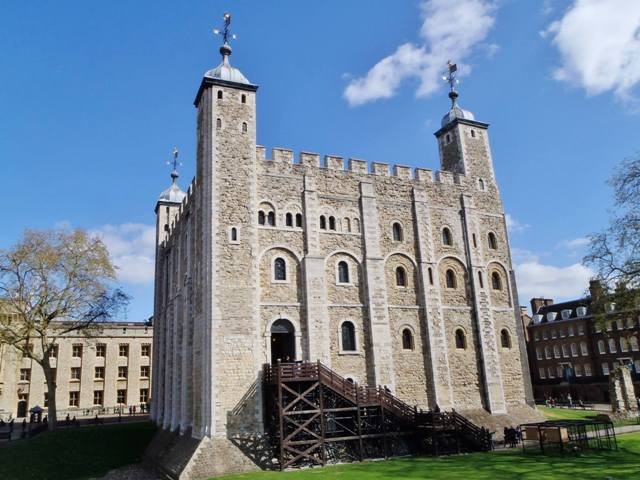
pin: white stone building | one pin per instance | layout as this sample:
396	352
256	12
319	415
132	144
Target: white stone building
388	275
109	369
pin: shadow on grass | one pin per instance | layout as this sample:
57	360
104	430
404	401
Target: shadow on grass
76	453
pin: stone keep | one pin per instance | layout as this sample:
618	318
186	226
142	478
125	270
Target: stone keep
251	262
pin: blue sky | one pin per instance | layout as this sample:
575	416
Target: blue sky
95	95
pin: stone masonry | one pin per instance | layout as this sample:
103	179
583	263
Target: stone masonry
415	264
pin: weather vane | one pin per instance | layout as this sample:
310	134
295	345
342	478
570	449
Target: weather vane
174	163
225	29
452	80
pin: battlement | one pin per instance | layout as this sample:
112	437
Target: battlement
358	167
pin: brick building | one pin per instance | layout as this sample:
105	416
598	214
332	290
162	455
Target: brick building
572	351
109	369
388	275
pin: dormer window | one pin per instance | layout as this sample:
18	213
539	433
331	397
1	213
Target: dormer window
551	316
581	311
566	314
537	318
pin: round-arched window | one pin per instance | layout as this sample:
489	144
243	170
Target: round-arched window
407	339
450	278
401	277
461	339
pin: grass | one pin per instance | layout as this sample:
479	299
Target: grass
579	414
77	453
618	465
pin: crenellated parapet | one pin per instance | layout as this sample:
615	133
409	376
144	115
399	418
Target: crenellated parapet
357	167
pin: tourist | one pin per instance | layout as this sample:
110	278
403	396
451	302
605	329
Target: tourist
67	420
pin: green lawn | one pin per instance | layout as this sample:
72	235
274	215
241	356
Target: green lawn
621	465
579	414
77	453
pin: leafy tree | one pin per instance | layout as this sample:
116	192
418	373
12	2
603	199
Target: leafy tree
52	283
614	253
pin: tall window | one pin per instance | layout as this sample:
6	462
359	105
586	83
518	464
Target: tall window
244	127
356	225
430	272
397	232
496	281
144	395
25	374
538	353
243	98
446	236
323	222
289	219
480	181
271	219
101	350
343	272
123	350
505	338
493	243
122	372
99	372
547	352
450	278
73	399
407	339
332	223
299	220
601	347
144	371
346	225
261	218
624	344
75	373
219	94
98	397
401	277
218	123
145	350
480	280
279	269
583	349
612	345
574	350
53	353
461	339
121	396
234	234
76	351
634	343
348	334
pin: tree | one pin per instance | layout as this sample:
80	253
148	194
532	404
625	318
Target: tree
54	282
614	253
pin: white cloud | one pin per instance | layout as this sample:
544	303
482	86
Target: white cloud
574	245
599	43
450	31
561	283
132	250
513	225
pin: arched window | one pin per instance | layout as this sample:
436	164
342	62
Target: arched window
343	272
234	234
565	350
505	338
323	222
634	343
271	219
332	223
430	272
218	123
401	277
574	350
348	334
219	94
446	236
244	127
493	243
261	218
583	349
624	344
450	277
461	339
481	184
556	351
547	352
289	219
279	269
496	281
407	339
299	220
346	225
243	98
473	134
356	225
601	347
475	242
612	345
397	232
480	280
538	353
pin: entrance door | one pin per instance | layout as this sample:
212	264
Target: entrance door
22	408
283	341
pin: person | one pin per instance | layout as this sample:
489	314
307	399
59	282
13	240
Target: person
45	420
134	409
570	400
130	410
67	420
24	424
142	408
95	420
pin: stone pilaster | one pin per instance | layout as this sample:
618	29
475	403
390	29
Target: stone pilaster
437	357
313	263
486	331
376	290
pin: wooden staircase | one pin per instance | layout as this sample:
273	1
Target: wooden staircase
316	416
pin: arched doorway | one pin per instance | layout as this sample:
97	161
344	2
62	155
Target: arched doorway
22	405
283	341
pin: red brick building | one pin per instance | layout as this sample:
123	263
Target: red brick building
572	352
